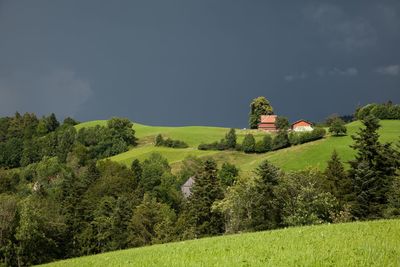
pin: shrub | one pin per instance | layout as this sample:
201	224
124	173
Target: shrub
239	147
304	137
160	141
281	140
267	142
264	145
229	142
259	147
230	138
294	138
249	143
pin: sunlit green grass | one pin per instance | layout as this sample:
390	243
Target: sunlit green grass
313	154
375	243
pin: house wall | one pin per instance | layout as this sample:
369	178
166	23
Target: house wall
267	126
306	128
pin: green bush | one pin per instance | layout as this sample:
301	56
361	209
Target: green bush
229	142
160	141
281	140
249	143
264	145
304	137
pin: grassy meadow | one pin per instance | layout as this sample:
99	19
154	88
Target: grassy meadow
314	154
374	243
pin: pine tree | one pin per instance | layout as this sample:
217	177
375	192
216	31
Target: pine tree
205	191
339	183
371	171
265	209
231	139
52	123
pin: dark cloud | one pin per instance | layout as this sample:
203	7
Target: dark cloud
342	30
188	62
392	70
59	91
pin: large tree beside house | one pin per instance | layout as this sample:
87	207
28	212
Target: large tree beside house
259	106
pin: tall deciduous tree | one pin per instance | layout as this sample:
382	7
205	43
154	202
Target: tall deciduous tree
337	127
152	222
122	128
282	123
259	106
8	223
41	231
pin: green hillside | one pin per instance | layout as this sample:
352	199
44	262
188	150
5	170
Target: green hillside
311	154
375	243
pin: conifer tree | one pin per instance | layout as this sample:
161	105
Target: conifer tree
231	139
265	211
371	171
339	183
205	191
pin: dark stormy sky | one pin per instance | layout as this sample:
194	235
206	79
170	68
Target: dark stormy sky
198	62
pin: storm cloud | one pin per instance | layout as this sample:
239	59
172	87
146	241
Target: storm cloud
60	90
189	62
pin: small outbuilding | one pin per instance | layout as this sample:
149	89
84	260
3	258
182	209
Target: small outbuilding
187	186
267	123
302	126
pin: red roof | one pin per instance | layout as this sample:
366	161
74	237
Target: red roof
268	118
299	121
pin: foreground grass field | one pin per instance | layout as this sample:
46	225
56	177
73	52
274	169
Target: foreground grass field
313	154
375	243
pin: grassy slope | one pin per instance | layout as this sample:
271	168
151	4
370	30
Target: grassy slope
375	243
311	154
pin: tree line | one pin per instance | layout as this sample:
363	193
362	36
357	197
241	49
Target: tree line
385	111
269	142
26	139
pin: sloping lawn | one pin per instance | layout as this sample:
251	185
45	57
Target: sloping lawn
375	243
314	154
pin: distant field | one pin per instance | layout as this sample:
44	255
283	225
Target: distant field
298	157
375	243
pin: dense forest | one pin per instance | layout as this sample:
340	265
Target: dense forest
60	197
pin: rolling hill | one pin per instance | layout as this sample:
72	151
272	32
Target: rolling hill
374	243
313	154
